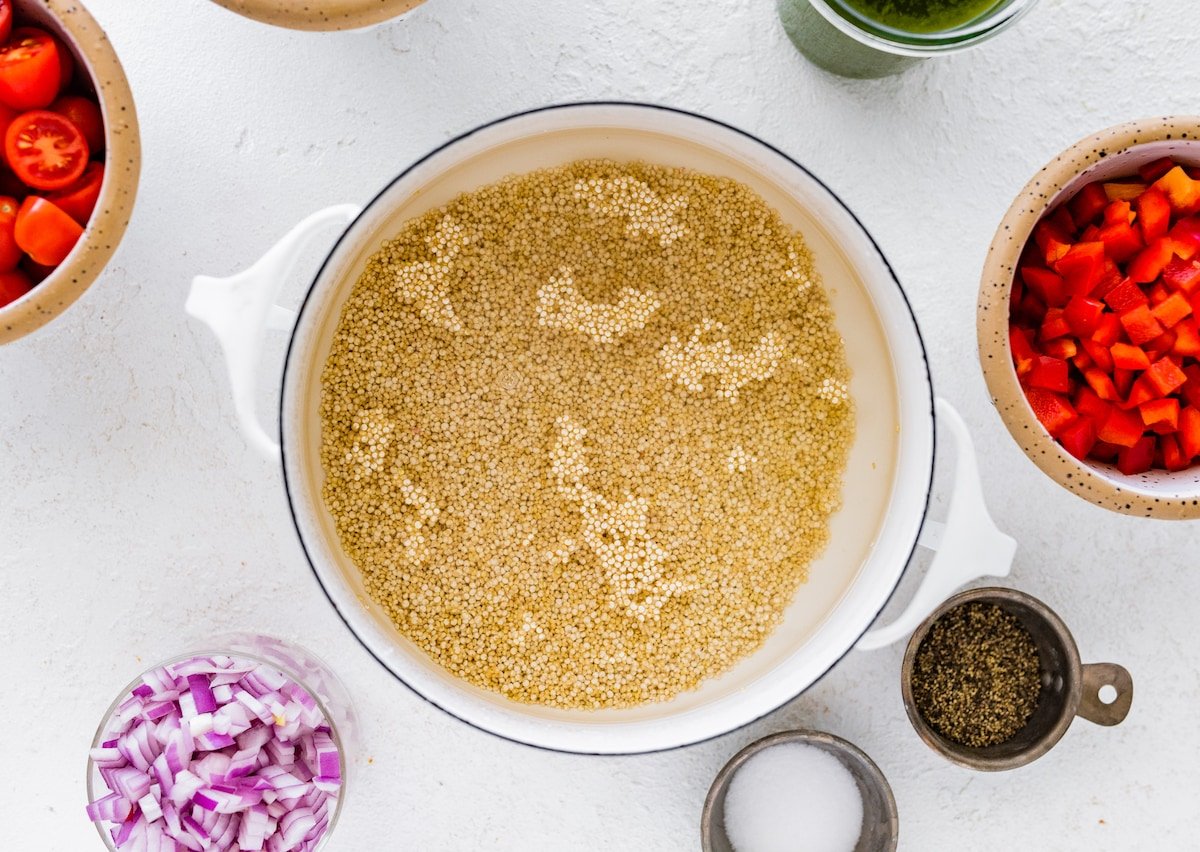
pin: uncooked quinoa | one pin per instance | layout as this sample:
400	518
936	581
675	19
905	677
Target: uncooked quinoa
583	430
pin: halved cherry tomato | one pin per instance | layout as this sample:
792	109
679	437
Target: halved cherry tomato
6	16
10	252
45	232
79	199
30	69
46	150
85	114
13	285
66	63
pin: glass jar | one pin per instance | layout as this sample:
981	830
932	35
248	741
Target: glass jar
296	663
835	36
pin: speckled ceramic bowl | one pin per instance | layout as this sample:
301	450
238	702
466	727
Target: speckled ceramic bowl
320	14
1115	152
94	55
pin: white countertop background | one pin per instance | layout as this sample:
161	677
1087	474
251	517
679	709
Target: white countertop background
133	516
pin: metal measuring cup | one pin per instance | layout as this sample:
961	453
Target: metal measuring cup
1069	688
881	823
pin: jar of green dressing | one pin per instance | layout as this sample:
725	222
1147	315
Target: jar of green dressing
875	38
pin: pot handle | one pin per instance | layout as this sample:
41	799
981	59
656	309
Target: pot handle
967	546
238	309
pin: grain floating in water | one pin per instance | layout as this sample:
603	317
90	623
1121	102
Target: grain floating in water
584	429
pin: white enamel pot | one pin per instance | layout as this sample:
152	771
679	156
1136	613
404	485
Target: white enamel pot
887	480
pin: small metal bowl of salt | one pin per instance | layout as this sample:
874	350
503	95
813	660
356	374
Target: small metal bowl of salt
800	790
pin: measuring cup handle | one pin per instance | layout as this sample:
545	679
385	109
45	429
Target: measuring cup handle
968	546
238	309
1095	677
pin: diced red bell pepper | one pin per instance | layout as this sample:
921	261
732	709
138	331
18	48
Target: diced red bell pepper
1098	354
1031	310
1053	410
1058	227
1180	274
1079	438
1061	347
1191	388
1150	261
1154	214
1105	452
1123	379
1187	338
1171	310
1081	360
1109	278
1119	212
1173	458
1157	293
1022	350
1082	267
1088	204
1189	432
1165	376
1121	241
1126	356
1123	190
1160	346
1055	324
1140	324
1051	374
1083	315
1088	404
1123	428
1152	171
1089	234
1049	285
1141	391
1100	382
1137	458
1160	411
1109	331
1181	190
1186	235
1124	296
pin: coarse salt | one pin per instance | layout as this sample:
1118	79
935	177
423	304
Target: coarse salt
793	798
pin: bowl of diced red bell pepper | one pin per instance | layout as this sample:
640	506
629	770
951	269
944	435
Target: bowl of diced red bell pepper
1089	320
69	159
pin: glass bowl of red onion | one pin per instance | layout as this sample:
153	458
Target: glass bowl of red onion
247	747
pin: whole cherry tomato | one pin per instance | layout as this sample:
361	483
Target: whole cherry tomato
79	199
45	232
13	285
85	114
10	252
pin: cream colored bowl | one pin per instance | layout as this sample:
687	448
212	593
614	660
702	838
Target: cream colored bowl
320	14
1115	152
95	57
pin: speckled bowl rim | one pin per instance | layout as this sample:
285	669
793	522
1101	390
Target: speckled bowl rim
320	15
122	164
1108	489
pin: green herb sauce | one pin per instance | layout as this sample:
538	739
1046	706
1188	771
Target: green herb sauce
922	16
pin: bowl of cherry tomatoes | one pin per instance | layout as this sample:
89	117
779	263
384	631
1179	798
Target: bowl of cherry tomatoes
327	15
69	159
1089	318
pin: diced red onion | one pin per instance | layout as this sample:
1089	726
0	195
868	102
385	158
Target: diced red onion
214	754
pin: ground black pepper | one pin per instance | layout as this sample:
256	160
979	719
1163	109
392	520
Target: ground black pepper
977	677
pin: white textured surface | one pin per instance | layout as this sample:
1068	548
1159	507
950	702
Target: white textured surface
133	516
